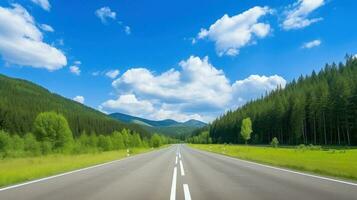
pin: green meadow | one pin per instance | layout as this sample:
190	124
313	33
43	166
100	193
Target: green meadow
16	170
331	161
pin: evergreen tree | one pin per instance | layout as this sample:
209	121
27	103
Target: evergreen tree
316	109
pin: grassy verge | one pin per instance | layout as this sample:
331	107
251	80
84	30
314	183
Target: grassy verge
331	162
16	170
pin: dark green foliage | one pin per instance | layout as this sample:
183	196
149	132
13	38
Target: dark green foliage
17	145
31	146
5	144
21	101
156	141
53	131
317	109
136	140
118	141
46	147
53	135
201	138
105	143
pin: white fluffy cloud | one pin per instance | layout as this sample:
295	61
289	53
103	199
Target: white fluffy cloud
75	70
105	13
197	91
46	27
198	82
128	103
112	73
21	42
254	86
79	99
45	4
232	33
162	114
298	13
311	44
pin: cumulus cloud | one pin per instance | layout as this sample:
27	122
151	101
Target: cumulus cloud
21	42
311	44
198	81
43	4
230	34
79	99
105	13
297	14
254	86
46	27
162	114
75	70
128	103
112	73
198	90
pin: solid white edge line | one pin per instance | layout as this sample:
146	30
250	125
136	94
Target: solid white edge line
186	191
74	171
181	168
173	185
285	170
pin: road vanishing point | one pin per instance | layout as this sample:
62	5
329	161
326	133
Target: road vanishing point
180	172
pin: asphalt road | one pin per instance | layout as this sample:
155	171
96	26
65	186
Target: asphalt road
179	172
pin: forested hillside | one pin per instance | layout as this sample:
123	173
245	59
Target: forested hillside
317	109
21	101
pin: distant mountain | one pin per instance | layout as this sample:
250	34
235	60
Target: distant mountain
128	118
194	123
167	126
21	101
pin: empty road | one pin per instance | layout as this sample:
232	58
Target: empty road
180	172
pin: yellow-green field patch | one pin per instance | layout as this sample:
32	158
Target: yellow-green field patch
332	162
15	170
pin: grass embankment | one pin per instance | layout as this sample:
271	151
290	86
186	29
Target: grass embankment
331	162
16	170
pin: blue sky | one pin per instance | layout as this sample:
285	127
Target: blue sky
180	60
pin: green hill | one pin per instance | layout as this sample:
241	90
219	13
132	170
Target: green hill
21	101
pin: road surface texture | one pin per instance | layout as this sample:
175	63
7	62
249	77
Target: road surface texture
180	172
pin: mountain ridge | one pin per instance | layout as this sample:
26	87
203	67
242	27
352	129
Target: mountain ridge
165	122
167	126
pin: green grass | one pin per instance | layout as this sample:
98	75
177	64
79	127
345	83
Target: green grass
16	170
331	162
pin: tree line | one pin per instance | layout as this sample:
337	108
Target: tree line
319	109
51	134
